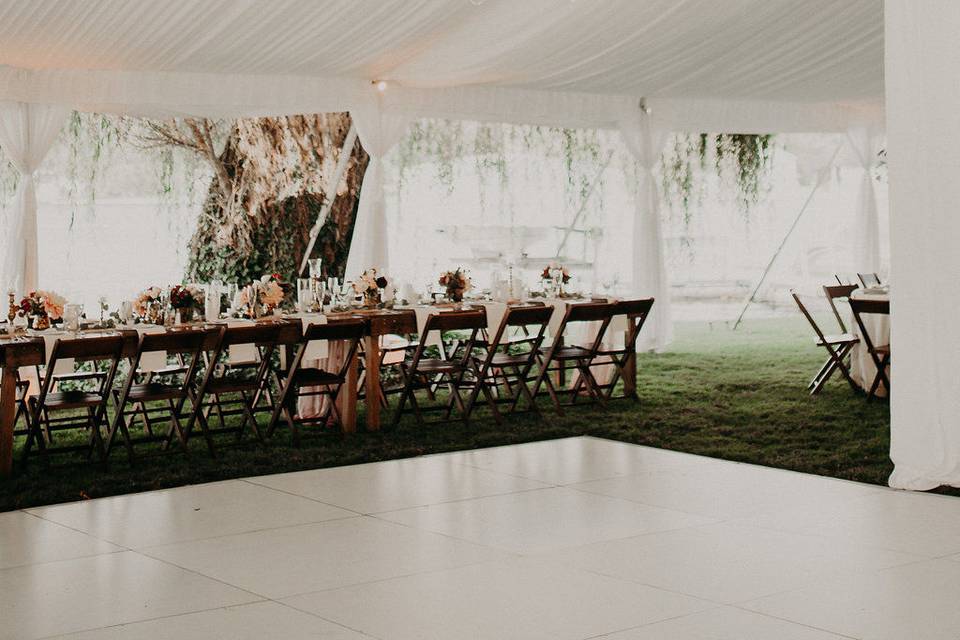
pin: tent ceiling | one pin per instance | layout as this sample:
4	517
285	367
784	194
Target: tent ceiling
817	52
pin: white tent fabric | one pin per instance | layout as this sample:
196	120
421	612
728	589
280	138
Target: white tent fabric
27	131
705	65
922	60
378	132
865	145
649	273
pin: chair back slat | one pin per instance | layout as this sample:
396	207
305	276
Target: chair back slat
85	349
261	334
173	341
528	315
337	330
868	306
639	307
589	312
456	321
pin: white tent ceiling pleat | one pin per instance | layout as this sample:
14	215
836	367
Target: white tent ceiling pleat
808	66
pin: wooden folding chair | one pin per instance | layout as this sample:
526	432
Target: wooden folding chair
869	279
159	396
420	372
303	381
22	411
508	360
103	350
838	292
838	348
623	359
394	349
228	387
560	357
880	354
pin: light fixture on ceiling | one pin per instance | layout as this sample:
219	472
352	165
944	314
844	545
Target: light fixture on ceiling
381	85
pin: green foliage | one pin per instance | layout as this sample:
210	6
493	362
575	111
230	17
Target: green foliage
278	241
485	148
744	160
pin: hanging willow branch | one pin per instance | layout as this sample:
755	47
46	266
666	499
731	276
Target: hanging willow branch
744	159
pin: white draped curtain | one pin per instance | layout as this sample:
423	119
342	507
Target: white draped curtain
378	131
864	145
645	141
27	131
922	58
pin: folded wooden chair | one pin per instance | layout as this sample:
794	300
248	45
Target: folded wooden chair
421	372
243	388
838	292
880	354
22	411
561	357
90	403
623	359
303	381
838	347
509	360
159	396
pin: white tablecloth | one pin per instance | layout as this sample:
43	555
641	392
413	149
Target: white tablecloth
862	369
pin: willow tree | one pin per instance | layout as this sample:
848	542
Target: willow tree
270	179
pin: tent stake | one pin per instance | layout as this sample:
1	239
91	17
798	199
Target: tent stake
783	243
331	191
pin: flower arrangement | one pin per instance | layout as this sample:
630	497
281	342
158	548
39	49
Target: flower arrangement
148	305
186	296
268	292
456	283
556	271
43	306
369	285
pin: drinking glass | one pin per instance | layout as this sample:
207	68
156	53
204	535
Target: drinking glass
305	295
211	301
316	264
71	317
126	311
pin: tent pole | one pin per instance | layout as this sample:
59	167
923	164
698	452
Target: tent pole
583	205
345	152
783	243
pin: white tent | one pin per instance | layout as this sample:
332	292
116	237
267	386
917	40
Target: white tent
701	65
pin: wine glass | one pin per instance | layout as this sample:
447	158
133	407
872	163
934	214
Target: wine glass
126	312
305	295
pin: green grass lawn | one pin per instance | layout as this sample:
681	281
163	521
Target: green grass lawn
734	395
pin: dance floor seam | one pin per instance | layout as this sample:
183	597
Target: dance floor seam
577	538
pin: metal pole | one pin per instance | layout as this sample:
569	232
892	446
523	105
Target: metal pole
776	253
583	205
331	192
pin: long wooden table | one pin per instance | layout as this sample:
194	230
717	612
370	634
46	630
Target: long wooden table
29	351
22	352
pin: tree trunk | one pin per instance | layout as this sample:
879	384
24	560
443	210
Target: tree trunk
258	227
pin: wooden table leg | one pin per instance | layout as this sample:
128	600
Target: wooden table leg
630	373
372	372
8	407
347	400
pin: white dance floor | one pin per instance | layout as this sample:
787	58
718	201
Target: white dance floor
575	538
